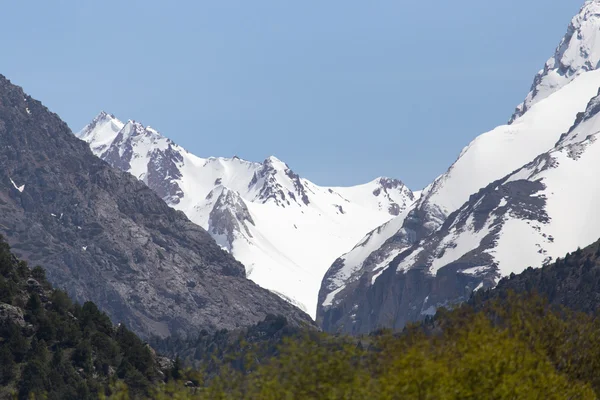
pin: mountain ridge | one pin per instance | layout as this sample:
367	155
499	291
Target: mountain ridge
573	56
265	214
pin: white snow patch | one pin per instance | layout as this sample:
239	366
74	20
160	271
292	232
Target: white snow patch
459	243
517	247
409	260
475	270
431	310
377	275
331	295
19	188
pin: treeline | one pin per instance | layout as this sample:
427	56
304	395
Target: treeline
501	345
211	352
517	341
519	347
572	281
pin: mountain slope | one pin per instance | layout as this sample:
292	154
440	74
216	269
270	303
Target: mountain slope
283	228
104	236
480	222
569	80
530	217
577	53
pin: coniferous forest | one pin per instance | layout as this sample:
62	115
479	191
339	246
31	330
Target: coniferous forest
508	343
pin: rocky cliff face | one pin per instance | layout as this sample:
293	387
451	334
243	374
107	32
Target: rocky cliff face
104	236
370	256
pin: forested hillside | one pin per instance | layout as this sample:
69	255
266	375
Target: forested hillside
213	351
51	346
517	347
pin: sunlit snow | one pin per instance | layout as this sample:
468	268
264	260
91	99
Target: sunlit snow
290	244
19	188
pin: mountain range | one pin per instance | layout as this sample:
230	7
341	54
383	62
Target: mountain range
285	229
378	254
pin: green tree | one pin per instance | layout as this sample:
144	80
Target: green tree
7	365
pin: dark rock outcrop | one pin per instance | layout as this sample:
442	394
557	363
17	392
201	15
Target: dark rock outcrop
11	314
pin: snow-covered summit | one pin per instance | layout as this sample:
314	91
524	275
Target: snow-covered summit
101	132
285	229
578	52
472	218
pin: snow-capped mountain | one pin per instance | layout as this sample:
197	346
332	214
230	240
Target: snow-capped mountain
283	228
424	270
578	52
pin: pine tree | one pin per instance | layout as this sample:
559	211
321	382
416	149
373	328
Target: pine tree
176	370
7	365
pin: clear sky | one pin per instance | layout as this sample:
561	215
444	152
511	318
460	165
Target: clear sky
342	90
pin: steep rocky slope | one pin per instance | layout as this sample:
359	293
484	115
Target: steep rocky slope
104	236
285	229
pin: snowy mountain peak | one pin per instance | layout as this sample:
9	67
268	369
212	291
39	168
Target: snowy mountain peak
276	182
389	183
101	132
519	195
229	217
133	129
578	52
389	188
285	229
102	116
275	162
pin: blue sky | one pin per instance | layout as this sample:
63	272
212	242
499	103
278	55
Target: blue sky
343	91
